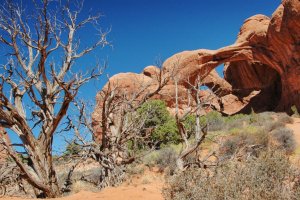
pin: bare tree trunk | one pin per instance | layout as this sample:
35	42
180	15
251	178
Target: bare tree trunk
200	132
36	90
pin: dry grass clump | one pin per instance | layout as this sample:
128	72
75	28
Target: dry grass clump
236	121
215	121
83	186
284	118
255	139
250	139
284	139
272	125
256	132
135	169
269	176
164	158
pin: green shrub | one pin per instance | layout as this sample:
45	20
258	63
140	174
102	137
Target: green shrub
156	111
158	117
166	133
189	124
270	176
164	126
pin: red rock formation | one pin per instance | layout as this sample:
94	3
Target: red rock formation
129	84
265	57
262	68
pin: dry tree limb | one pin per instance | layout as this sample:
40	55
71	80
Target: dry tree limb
36	90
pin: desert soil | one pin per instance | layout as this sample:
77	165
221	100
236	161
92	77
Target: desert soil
146	187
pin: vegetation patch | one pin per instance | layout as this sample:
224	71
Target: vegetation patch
269	176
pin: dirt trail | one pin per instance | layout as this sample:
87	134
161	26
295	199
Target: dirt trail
146	187
144	192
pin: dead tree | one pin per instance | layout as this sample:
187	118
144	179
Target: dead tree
198	109
122	126
37	84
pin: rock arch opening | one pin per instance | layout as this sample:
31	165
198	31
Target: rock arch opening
259	82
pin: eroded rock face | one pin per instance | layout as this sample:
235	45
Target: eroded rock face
275	66
262	68
265	57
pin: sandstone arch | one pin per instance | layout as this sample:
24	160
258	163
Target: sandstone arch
266	56
262	68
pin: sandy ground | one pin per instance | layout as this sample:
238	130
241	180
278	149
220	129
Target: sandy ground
146	187
150	191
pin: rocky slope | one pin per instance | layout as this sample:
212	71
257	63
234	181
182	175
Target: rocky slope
262	69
